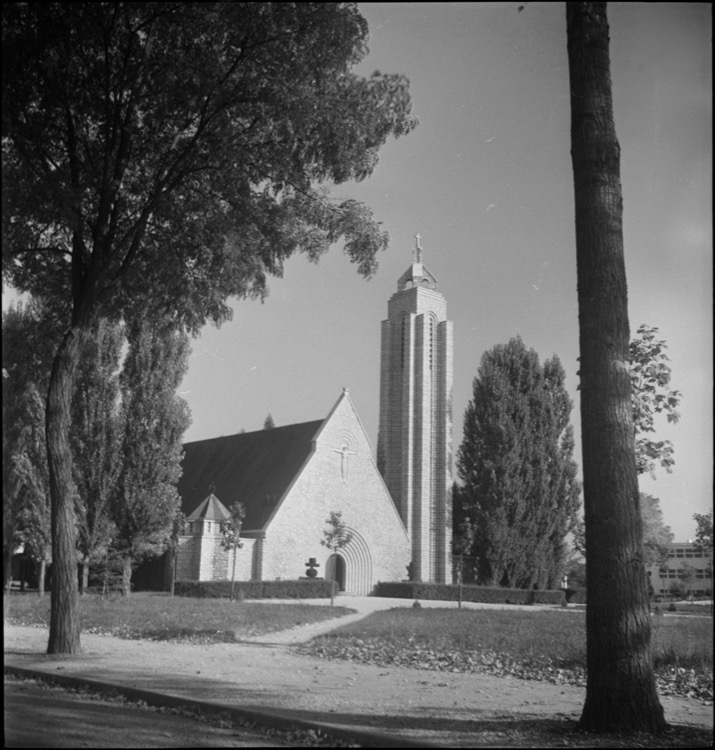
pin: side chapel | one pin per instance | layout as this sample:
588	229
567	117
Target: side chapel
290	478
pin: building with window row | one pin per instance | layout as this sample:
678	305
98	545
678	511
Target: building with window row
684	558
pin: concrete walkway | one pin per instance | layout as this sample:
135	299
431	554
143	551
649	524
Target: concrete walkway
263	679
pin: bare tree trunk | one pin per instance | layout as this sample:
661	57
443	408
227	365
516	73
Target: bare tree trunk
233	572
42	565
7	567
620	691
175	557
84	579
127	575
64	614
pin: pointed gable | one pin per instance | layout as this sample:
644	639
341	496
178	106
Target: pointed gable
255	468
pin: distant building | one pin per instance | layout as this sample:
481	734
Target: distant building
680	554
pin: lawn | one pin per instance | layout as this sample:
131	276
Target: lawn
540	644
543	644
161	617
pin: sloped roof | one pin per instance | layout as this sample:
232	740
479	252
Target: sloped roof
255	468
212	509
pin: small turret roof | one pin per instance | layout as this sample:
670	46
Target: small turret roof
211	509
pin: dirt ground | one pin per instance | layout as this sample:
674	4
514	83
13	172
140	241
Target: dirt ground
436	708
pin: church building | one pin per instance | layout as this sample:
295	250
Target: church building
289	479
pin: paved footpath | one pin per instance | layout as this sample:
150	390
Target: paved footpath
265	680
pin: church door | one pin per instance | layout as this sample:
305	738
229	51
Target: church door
337	568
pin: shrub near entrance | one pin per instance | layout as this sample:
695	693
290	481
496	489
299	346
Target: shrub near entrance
300	589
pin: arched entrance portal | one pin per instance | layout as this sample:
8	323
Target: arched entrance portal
352	566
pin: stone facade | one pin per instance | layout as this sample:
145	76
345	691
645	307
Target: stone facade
415	438
340	475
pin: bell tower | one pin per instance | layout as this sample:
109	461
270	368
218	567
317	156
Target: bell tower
414	445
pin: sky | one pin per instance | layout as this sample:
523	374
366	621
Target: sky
486	181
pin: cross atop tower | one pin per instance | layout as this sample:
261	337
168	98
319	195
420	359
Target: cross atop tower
417	252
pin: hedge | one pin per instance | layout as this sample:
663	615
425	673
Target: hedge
299	589
470	593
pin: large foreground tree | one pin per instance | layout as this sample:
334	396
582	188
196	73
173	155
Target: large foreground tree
165	156
620	690
520	496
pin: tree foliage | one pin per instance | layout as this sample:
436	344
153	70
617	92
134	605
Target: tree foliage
520	495
167	156
704	531
657	537
153	421
169	152
268	423
651	395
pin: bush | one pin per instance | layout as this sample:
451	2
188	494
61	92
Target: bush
300	589
575	596
450	592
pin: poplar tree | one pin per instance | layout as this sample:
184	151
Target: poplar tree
28	332
520	495
167	156
96	442
153	420
29	484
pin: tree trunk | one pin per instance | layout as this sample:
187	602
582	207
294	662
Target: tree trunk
233	572
84	579
42	565
620	690
175	557
127	575
64	614
7	568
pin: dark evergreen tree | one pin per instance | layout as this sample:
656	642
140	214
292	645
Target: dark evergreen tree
153	420
268	423
520	495
167	156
